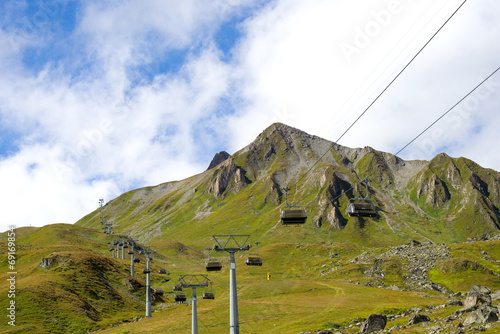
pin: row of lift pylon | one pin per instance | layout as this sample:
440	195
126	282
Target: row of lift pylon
289	215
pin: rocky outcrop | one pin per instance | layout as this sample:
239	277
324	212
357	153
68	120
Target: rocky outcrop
227	177
54	261
218	158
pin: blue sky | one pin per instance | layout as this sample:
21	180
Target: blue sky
100	97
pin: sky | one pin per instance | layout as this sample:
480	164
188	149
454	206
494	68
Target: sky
100	97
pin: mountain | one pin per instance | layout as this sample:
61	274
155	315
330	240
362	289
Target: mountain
442	200
332	272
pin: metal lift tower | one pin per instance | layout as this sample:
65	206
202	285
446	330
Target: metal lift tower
194	281
147	271
232	244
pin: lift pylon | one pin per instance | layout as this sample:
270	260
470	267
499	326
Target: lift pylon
194	281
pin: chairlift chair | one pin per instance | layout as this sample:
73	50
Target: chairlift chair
159	292
137	260
180	297
208	295
254	259
130	252
213	265
292	214
361	207
146	271
162	271
178	287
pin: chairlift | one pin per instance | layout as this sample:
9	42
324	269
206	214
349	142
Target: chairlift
111	249
213	264
361	206
178	287
125	246
146	271
137	260
158	292
130	252
292	214
254	259
208	294
162	271
180	297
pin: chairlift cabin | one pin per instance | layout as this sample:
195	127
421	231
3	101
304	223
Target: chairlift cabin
293	215
208	295
213	265
180	297
361	207
253	261
158	292
178	287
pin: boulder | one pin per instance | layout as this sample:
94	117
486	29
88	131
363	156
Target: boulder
480	289
484	314
495	295
374	322
475	299
418	318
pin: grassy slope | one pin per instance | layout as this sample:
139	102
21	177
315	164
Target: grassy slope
86	292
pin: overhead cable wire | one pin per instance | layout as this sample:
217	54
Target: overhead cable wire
433	123
383	91
375	100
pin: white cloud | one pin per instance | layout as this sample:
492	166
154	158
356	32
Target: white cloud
89	129
293	61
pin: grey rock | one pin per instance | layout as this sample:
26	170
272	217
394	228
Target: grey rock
495	295
480	289
475	299
455	302
418	318
484	314
374	322
46	263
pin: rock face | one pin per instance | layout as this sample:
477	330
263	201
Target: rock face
227	177
324	177
218	158
374	322
418	318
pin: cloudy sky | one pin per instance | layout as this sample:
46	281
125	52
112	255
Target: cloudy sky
100	97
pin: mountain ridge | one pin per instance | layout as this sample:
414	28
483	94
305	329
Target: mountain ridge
431	200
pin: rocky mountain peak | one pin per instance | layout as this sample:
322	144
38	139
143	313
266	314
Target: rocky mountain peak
218	158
